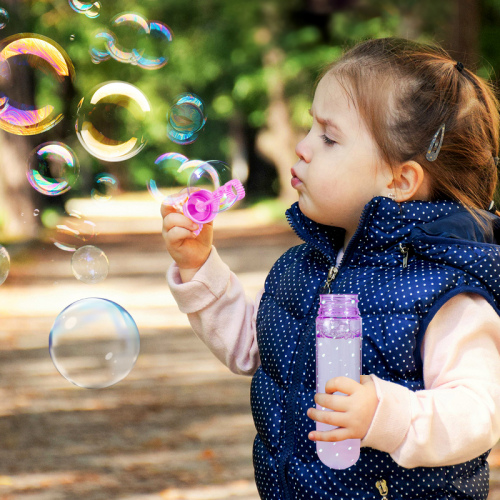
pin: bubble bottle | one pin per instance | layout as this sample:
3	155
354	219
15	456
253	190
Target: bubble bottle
338	353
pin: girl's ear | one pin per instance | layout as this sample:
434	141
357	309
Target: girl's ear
410	182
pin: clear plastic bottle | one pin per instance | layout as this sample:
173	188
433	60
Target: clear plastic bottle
338	353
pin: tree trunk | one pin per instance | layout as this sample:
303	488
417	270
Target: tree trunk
277	141
17	220
463	35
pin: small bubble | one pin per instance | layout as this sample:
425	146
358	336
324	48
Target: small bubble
53	168
105	186
36	212
90	264
72	38
4	18
4	264
186	119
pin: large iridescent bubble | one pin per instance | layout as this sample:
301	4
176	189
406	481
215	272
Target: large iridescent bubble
186	119
53	168
48	61
111	121
94	343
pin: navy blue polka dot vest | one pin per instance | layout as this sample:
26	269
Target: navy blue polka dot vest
404	261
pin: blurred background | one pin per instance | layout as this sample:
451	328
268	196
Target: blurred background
253	65
178	426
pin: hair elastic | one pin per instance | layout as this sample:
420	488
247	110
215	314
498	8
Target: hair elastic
459	66
435	145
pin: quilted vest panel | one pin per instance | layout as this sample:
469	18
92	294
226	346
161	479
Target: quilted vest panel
396	303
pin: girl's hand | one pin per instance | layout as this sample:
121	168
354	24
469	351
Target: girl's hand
352	413
188	250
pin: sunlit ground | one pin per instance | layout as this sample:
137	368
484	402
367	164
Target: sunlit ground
178	427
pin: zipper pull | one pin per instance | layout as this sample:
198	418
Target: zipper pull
382	488
405	250
331	276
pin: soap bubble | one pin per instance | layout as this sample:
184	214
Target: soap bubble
105	186
167	175
186	119
4	18
128	29
155	55
94	343
74	230
52	71
90	9
4	264
132	39
53	168
111	121
209	175
90	264
99	48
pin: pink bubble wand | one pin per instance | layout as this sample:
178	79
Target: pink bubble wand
202	206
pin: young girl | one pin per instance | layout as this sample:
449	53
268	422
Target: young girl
394	181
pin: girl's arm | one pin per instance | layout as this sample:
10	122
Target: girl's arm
457	417
219	312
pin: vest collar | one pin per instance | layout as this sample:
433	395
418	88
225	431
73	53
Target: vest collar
384	224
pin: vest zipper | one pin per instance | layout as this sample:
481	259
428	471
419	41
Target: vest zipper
298	366
405	250
325	289
382	488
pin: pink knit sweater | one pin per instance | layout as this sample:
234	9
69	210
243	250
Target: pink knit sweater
457	416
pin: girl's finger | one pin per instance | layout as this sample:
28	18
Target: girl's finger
344	385
333	436
339	419
167	209
175	219
332	401
177	235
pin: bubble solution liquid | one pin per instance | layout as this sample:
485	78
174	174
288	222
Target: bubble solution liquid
338	353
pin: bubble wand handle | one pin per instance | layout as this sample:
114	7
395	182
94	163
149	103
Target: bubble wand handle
226	195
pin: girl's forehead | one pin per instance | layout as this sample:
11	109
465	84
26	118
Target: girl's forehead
332	100
331	94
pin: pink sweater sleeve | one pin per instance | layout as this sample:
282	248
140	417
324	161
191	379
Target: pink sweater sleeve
457	416
219	312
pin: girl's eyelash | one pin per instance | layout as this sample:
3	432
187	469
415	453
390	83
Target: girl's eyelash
327	140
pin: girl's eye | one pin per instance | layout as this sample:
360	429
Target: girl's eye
327	140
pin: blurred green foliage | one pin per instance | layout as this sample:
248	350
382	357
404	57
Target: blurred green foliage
229	53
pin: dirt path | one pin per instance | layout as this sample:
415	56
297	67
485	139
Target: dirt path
177	428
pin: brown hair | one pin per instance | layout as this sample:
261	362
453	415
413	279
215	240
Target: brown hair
405	91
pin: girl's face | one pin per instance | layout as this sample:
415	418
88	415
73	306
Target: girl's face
339	170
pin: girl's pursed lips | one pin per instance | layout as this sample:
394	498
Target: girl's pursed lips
295	180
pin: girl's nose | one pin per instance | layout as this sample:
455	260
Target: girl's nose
303	151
